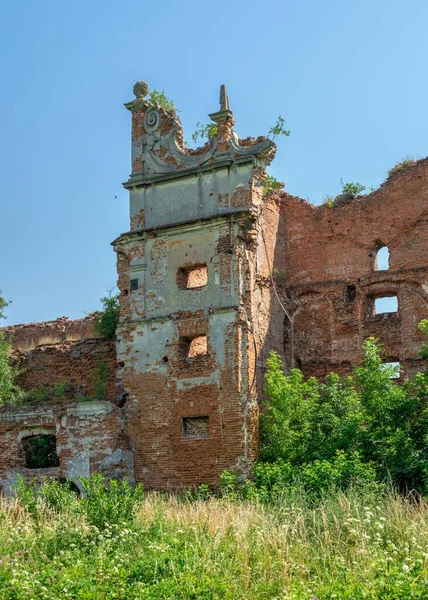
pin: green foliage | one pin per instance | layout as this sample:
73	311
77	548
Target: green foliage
353	546
341	471
3	305
271	183
40	393
10	391
423	327
106	322
159	97
109	502
59	389
43	393
26	494
352	189
40	451
58	495
207	131
366	421
101	377
278	128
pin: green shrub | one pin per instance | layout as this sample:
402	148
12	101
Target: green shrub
58	495
10	392
26	494
106	322
310	427
271	183
157	97
109	502
352	189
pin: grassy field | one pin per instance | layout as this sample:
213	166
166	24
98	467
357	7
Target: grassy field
347	546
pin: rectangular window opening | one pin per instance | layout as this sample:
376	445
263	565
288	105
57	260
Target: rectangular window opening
350	293
192	277
195	427
40	451
395	368
385	305
193	347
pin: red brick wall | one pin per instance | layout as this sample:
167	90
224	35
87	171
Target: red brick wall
328	249
89	433
61	351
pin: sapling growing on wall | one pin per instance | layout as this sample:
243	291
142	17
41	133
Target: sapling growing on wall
106	322
157	97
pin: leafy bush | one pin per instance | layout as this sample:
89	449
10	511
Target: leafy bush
359	425
157	97
106	322
58	495
315	478
109	502
352	189
10	391
271	183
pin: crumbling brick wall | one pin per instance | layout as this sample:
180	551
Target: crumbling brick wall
88	433
65	351
330	279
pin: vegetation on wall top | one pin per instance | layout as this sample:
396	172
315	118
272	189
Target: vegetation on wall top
106	321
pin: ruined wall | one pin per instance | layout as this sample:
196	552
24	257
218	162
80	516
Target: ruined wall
331	278
168	386
88	437
212	276
62	351
88	434
30	335
187	353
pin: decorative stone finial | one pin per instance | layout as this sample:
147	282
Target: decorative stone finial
141	89
224	113
224	98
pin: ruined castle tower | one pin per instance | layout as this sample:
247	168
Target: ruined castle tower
191	289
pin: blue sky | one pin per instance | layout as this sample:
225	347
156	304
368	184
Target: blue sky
348	77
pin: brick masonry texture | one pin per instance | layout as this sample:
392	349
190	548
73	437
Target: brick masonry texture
221	275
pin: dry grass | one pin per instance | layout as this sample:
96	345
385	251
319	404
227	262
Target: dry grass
347	546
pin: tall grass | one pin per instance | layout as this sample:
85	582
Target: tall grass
346	546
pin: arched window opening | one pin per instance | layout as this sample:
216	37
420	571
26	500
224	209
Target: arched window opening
382	259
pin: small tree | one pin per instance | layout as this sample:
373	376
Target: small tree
10	392
352	189
106	322
368	415
157	97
